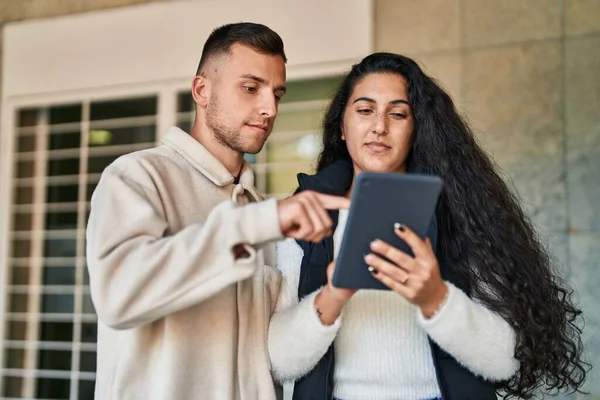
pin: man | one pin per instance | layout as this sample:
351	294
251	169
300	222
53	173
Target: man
178	241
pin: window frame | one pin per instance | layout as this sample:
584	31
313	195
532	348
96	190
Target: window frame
165	116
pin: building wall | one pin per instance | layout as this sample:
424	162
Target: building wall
527	76
22	10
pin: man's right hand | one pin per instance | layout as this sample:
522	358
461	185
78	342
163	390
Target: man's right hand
304	215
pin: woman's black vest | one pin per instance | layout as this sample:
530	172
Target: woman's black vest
455	381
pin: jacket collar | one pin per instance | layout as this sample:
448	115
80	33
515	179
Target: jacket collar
202	160
335	179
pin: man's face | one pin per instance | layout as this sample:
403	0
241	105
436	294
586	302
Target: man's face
243	93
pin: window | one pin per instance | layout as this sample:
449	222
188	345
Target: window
60	150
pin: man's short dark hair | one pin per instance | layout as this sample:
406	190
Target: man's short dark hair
257	36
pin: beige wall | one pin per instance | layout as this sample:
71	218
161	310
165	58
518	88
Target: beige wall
78	55
20	10
527	75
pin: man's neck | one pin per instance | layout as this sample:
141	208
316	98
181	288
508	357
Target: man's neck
231	159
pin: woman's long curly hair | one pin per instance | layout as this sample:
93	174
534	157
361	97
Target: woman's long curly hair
484	235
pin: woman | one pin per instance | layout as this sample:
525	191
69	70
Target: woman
478	309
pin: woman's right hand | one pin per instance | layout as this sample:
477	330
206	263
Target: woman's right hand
339	294
330	301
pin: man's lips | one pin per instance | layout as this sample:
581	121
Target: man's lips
258	127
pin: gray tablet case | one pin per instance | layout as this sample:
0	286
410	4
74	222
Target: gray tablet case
378	201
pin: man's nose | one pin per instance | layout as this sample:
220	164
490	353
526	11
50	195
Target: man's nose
268	106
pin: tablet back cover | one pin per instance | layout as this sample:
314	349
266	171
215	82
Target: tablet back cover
378	201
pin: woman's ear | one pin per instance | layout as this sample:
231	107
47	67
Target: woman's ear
343	134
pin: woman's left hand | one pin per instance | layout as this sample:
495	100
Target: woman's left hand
417	278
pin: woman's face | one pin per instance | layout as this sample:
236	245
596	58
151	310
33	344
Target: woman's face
378	124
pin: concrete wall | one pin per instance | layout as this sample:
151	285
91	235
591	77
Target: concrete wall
527	75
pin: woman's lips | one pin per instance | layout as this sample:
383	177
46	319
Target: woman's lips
377	147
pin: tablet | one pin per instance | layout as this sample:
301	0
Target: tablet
378	201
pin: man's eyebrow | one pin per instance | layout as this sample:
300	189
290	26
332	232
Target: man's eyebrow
258	79
253	77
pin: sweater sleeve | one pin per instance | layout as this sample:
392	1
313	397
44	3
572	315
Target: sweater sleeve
297	338
479	339
139	273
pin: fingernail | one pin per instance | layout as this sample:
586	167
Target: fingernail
399	226
367	257
374	244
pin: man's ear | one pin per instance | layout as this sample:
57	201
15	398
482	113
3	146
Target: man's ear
199	90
